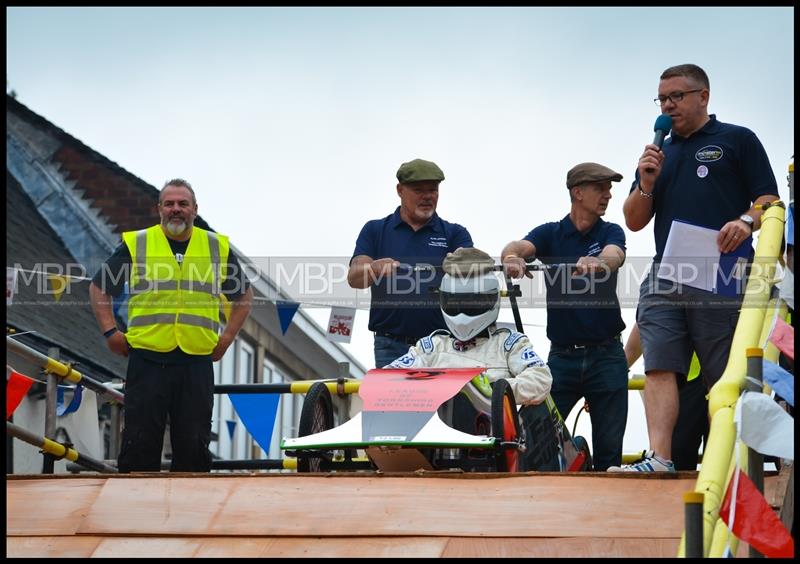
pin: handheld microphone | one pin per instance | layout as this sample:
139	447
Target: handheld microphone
662	128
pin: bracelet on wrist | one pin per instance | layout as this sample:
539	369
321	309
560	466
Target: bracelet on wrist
110	332
648	195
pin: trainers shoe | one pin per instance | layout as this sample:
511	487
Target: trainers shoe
650	463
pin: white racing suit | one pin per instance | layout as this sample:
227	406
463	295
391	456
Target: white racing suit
505	354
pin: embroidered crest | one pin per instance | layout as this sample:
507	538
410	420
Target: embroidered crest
708	154
512	338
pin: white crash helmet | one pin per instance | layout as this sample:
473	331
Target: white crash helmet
469	304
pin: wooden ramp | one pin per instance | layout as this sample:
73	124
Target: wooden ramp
344	515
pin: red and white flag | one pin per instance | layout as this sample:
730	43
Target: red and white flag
753	520
17	385
783	337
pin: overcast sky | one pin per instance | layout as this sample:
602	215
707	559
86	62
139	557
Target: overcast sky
290	123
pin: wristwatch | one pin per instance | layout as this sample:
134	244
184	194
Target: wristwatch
747	219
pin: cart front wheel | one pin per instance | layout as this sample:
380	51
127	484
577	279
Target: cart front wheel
315	417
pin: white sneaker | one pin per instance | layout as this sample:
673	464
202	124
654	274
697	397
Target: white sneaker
650	463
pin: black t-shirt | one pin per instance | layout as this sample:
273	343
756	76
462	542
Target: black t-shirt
115	272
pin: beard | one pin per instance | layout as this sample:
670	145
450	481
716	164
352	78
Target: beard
176	228
425	213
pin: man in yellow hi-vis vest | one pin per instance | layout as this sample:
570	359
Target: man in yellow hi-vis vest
177	274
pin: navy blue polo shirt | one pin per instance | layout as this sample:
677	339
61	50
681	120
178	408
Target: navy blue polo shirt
580	309
710	178
402	304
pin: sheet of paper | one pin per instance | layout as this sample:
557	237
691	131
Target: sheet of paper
690	256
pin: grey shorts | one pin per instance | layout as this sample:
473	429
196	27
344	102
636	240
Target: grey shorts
676	320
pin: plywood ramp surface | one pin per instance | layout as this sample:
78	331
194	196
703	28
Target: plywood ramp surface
560	547
48	506
51	547
339	547
521	506
267	515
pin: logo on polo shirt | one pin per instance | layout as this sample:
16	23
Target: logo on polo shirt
594	249
708	154
437	242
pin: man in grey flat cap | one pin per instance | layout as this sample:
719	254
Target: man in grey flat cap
584	322
402	310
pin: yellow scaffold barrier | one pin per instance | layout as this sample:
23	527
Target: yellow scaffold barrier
718	460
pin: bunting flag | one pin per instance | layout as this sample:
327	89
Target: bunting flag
786	288
11	284
17	385
780	380
73	406
754	521
257	412
286	311
231	428
340	324
58	284
782	336
764	426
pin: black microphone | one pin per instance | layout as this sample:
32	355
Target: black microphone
662	128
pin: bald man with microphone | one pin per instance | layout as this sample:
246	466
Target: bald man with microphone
708	174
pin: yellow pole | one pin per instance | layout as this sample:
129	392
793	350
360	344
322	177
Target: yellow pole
711	480
302	387
722	536
748	330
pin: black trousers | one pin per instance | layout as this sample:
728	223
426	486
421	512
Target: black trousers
691	428
153	391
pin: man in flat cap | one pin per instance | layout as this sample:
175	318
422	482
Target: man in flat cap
402	310
584	322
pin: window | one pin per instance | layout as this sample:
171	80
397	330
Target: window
288	414
243	439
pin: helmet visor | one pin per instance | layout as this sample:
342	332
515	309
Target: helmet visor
468	304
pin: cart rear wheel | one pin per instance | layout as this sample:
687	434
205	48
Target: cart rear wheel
505	425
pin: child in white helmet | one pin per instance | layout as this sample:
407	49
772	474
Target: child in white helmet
469	295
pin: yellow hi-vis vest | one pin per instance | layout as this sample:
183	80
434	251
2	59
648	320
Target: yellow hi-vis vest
175	304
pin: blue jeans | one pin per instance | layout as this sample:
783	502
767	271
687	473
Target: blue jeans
599	374
387	350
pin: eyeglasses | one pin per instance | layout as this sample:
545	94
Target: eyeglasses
675	97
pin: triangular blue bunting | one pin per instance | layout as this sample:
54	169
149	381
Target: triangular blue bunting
73	406
231	427
286	311
780	380
257	412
